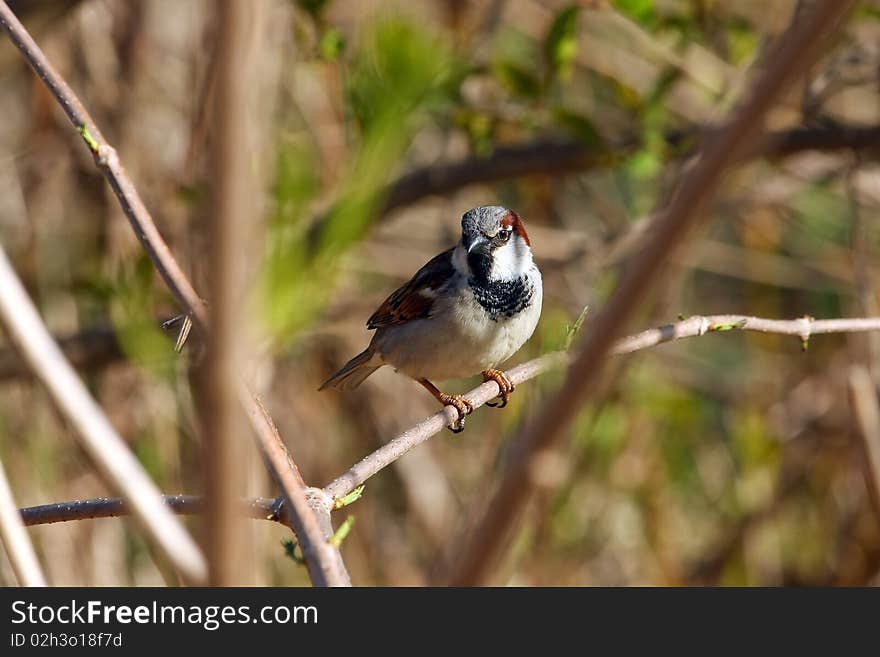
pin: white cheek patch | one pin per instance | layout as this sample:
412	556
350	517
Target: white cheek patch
512	260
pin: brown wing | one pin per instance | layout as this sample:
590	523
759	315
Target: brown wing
415	299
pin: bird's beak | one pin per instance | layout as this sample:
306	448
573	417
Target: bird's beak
474	243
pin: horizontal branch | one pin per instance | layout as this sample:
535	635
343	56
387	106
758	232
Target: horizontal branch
556	156
691	327
311	527
261	508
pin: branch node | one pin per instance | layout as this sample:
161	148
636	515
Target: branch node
107	157
806	327
705	326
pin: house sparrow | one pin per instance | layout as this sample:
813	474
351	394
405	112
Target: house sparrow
467	310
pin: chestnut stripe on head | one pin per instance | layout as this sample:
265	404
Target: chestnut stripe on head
511	220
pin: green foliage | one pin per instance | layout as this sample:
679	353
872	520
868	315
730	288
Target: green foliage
133	297
580	127
332	44
398	75
641	11
342	532
560	45
515	60
312	7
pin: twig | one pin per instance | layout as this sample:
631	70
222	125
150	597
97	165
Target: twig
266	508
555	156
691	327
15	539
330	570
794	53
108	451
261	508
308	510
107	159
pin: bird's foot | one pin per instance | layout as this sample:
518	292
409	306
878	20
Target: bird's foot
505	386
460	404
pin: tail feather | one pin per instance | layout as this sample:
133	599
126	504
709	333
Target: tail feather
353	372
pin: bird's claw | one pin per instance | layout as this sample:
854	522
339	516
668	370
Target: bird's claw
462	406
505	386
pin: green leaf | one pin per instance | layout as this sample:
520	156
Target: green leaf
729	327
352	497
581	127
290	551
575	327
517	80
560	45
332	44
342	532
642	11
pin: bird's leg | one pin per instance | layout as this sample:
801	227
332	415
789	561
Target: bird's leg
505	385
462	405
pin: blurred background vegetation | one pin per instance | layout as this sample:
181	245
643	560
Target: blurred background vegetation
730	459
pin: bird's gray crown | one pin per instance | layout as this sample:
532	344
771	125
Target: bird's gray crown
485	220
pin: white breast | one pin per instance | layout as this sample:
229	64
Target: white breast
459	339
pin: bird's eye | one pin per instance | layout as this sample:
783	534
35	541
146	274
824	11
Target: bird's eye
504	234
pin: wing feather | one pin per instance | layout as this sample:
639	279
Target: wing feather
415	299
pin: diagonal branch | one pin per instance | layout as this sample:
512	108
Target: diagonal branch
325	565
270	509
115	462
696	326
793	54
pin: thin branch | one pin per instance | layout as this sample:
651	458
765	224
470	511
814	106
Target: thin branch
107	159
261	508
330	570
695	326
308	510
96	435
795	51
558	156
15	539
270	509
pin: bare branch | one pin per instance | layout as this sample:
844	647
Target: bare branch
107	159
557	156
692	327
307	510
15	539
793	54
313	542
271	509
99	439
261	508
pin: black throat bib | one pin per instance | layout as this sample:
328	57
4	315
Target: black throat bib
502	299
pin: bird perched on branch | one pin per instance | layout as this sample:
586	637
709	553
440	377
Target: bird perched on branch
466	311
